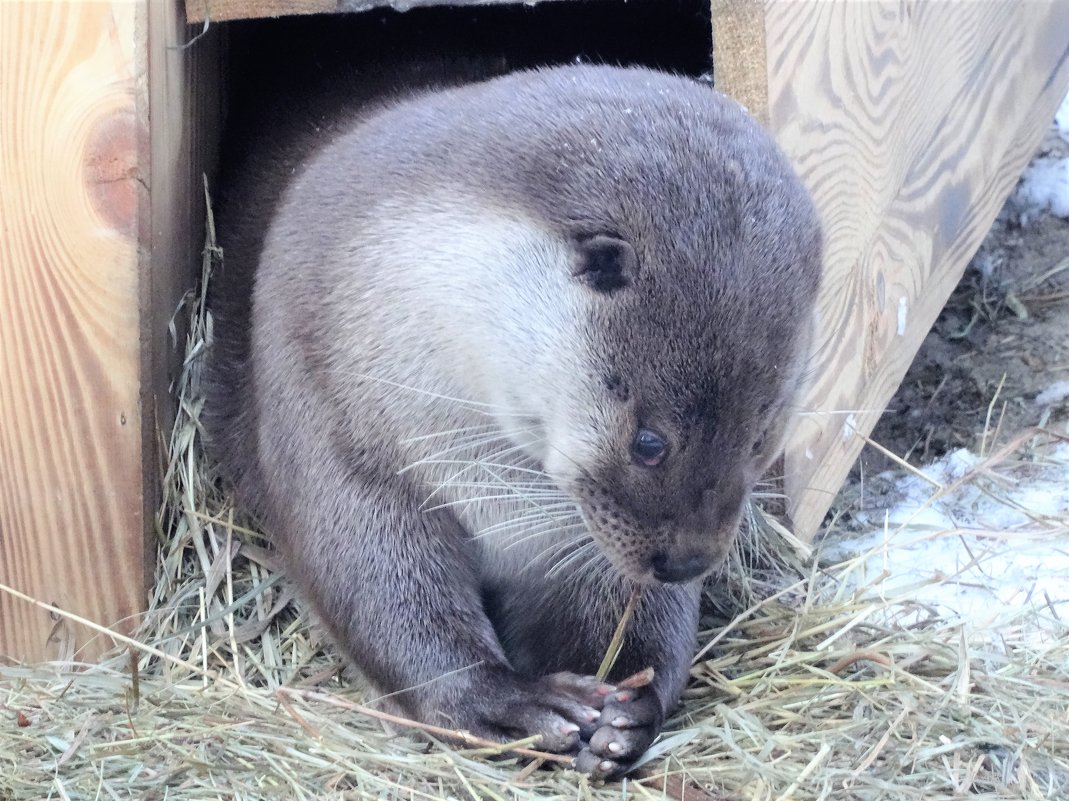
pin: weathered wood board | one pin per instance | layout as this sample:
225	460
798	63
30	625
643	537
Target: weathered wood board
219	10
910	122
71	515
107	125
222	10
183	118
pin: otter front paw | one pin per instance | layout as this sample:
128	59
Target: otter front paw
630	720
563	709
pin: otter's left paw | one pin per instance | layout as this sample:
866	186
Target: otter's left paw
630	720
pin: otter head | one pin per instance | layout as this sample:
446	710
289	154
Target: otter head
694	262
690	389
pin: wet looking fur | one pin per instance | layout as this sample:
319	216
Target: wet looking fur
467	307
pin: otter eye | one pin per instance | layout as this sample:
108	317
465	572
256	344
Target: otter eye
649	448
605	263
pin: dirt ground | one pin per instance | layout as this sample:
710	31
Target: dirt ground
1001	341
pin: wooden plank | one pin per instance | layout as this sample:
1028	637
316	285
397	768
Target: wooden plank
220	10
910	123
739	55
182	113
71	518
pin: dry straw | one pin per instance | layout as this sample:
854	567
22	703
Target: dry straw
810	692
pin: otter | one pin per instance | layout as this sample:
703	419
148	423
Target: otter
514	348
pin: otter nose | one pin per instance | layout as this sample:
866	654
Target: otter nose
679	569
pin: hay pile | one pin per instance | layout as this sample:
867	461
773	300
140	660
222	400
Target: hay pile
816	690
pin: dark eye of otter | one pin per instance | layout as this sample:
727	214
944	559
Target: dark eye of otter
649	448
605	263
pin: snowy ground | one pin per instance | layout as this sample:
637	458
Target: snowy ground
1045	184
983	541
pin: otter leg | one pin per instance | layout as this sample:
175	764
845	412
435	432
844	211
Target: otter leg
398	588
566	624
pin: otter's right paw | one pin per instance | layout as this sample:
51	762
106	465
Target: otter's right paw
629	722
563	709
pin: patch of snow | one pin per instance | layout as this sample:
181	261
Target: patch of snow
849	429
1055	393
1045	184
978	550
986	261
1061	119
1045	187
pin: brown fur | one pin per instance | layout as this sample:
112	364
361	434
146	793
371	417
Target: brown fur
466	305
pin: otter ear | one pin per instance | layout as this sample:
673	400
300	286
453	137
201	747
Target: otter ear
605	263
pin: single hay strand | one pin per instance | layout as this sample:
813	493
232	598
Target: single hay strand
466	738
617	640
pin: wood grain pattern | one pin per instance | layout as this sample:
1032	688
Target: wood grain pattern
70	427
739	54
219	10
182	113
910	123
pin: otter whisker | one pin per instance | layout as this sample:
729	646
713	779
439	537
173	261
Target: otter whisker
495	480
565	533
571	558
536	513
476	441
802	411
542	474
539	477
582	470
546	556
544	510
597	566
536	485
558	517
480	407
561	548
481	490
528	532
476	405
535	509
467	468
594	566
533	488
539	487
463	502
510	494
578	546
472	443
450	433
